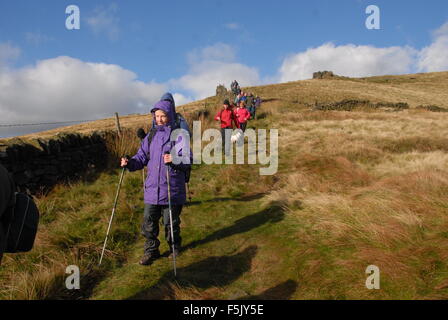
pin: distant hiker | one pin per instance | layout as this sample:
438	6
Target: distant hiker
250	104
153	153
257	105
257	102
227	119
235	87
242	115
238	98
243	97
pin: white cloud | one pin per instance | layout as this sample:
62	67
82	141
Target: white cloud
363	61
232	26
347	60
211	66
180	99
65	88
8	54
435	56
105	21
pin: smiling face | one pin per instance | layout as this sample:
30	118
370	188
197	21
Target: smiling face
161	117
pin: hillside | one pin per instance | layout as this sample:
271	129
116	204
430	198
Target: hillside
415	89
354	188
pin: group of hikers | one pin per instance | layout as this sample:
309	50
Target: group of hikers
165	184
236	114
251	101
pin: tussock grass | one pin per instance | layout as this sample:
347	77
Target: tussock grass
73	237
126	144
73	223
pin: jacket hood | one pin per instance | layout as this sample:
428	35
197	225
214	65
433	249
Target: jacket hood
168	97
168	108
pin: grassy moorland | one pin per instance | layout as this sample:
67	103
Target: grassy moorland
354	188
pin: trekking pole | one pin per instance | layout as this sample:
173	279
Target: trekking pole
171	215
113	212
188	191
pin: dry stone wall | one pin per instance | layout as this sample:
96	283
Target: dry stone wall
41	163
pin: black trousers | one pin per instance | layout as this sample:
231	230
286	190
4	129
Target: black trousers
226	144
150	226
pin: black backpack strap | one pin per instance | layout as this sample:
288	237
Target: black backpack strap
151	134
177	120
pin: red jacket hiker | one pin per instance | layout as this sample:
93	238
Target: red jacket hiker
242	115
226	117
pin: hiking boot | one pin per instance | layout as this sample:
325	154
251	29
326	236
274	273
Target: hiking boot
149	258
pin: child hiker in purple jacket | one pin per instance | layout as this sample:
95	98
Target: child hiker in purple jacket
156	153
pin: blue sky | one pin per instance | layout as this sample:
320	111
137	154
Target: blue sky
154	36
186	47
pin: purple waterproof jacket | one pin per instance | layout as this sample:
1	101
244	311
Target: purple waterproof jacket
156	186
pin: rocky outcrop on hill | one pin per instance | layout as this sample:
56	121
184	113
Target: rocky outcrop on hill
323	75
221	91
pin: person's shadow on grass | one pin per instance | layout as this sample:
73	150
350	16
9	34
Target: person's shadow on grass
210	272
273	214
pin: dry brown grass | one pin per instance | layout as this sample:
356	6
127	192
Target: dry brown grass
359	187
125	144
372	186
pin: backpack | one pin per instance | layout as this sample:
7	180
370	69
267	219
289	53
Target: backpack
23	223
181	123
